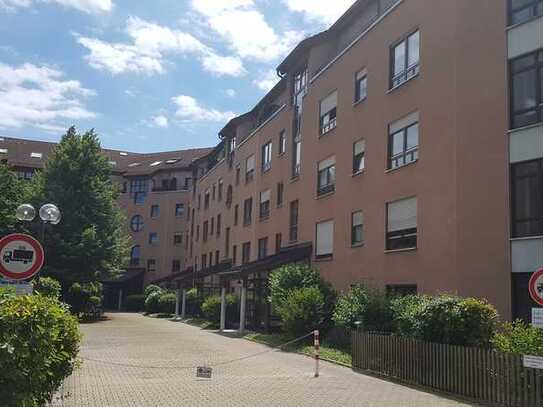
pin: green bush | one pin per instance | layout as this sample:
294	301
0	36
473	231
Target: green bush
48	287
211	308
151	302
303	311
150	289
519	338
457	321
194	302
285	281
405	313
367	306
6	292
79	295
166	303
39	341
135	303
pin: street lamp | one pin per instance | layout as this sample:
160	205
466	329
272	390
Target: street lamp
48	213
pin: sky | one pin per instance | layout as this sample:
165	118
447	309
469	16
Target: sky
147	75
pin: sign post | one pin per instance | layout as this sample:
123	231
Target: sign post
21	257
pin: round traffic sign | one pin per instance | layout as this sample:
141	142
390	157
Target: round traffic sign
21	256
536	287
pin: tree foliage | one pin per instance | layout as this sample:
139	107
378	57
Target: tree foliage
13	193
90	238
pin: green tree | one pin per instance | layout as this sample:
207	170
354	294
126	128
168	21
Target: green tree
12	193
90	238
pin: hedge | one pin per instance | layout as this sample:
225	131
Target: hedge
519	338
166	303
211	308
39	341
135	303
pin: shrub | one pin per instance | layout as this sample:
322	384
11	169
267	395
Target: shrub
457	321
405	313
166	303
39	341
79	295
151	302
6	292
48	287
211	307
135	303
370	307
303	311
151	289
519	338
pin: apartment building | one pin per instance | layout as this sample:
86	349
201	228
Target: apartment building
154	195
525	60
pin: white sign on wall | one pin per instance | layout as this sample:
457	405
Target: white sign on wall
21	287
533	362
537	318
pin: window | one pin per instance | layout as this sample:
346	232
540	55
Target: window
324	241
361	86
265	198
212	226
328	110
326	176
402	224
527	198
359	159
236	215
357	228
205	231
155	211
296	156
138	190
176	266
238	174
282	142
221	187
250	169
219	219
524	10
136	223
229	193
405	58
266	156
234	255
135	254
151	265
207	196
401	290
204	261
217	257
188	182
179	209
300	81
197	232
280	194
403	143
153	238
278	242
214	193
527	90
177	238
293	222
262	248
246	253
247	212
227	243
199	201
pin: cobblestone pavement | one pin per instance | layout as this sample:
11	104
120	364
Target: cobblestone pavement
137	361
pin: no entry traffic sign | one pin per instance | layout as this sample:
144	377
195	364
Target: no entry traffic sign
21	257
536	287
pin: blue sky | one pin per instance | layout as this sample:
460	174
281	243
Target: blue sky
148	75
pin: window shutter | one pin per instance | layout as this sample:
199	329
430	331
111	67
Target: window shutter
251	163
328	103
358	218
327	163
265	196
325	238
359	147
404	122
402	215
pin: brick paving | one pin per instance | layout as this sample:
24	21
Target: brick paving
136	361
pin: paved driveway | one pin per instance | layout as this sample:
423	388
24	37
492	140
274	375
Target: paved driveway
138	361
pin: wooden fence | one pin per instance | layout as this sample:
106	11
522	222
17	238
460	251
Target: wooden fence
485	376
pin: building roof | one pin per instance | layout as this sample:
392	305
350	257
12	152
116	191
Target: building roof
33	154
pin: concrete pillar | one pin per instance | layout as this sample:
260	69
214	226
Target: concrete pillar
223	308
184	304
242	308
177	295
120	299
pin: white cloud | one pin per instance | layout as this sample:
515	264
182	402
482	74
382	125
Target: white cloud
320	11
148	49
38	96
245	29
230	93
267	80
189	110
160	121
87	6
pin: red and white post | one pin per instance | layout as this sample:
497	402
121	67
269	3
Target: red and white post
317	352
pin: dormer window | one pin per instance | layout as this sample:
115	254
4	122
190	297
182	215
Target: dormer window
3	150
134	165
36	155
123	154
171	161
155	163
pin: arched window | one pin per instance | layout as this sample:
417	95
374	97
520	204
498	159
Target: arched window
135	255
136	223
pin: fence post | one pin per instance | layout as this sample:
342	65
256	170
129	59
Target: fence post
317	352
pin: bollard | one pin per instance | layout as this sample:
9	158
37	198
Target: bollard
317	353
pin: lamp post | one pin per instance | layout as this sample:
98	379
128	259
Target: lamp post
48	213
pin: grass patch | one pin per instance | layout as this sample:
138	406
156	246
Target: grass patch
327	351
